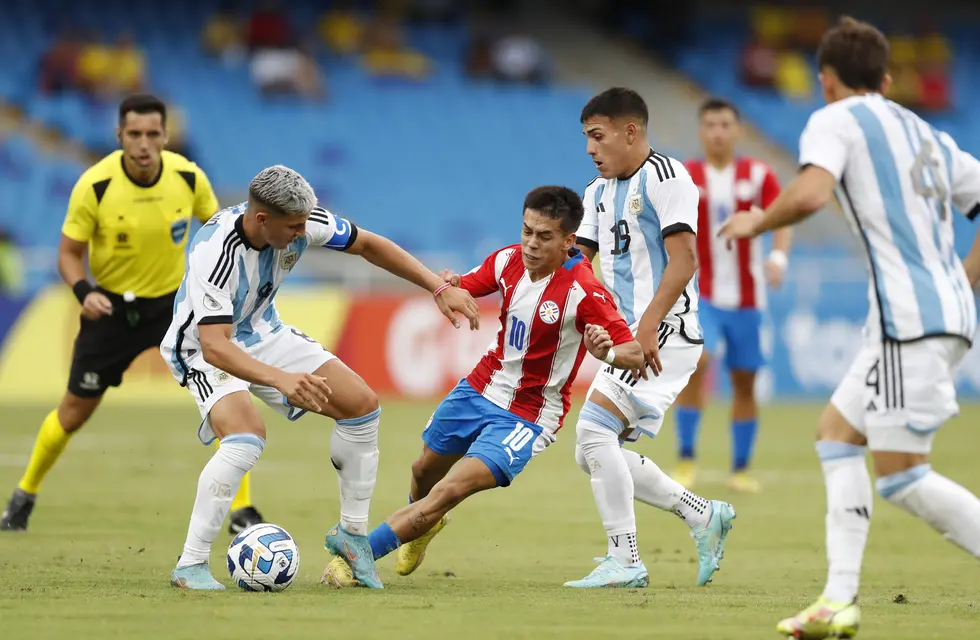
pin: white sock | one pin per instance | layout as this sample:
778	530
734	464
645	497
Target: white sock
216	488
354	454
653	486
612	487
849	509
948	507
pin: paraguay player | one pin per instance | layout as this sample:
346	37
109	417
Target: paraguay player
226	343
897	180
732	283
510	408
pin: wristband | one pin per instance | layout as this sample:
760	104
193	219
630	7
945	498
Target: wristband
81	289
610	356
441	289
779	258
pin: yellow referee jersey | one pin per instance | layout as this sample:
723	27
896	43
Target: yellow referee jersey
137	233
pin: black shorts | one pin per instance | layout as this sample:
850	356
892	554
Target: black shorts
106	347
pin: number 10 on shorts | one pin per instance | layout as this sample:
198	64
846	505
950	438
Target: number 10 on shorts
519	437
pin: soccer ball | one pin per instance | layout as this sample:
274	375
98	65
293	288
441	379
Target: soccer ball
263	557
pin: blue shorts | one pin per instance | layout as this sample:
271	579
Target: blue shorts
741	329
467	423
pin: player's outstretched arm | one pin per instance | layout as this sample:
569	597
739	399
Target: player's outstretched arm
302	390
383	253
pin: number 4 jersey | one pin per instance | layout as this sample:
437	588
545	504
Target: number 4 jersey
898	180
626	220
529	369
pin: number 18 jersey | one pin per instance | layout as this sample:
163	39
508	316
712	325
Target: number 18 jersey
898	180
626	221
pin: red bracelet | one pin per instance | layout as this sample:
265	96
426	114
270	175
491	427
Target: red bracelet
441	289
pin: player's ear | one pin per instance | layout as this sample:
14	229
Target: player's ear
119	134
886	84
631	130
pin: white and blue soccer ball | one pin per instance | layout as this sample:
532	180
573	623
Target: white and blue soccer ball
263	557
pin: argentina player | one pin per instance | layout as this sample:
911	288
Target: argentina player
898	180
227	341
641	217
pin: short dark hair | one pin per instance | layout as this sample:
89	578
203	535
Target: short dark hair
718	104
142	103
557	203
857	52
616	103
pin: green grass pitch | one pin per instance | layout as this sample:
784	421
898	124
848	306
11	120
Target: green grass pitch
112	516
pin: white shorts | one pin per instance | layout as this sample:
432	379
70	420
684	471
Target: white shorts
897	395
644	402
288	349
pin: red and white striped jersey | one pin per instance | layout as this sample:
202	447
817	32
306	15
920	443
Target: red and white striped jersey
731	278
529	369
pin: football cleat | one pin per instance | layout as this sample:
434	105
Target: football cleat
823	619
685	474
196	577
612	573
18	511
357	553
411	554
742	482
710	540
243	519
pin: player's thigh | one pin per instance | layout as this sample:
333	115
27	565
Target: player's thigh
912	394
743	340
223	400
470	476
643	403
506	445
843	420
430	466
236	413
293	351
457	421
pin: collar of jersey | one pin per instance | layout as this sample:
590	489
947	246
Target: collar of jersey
574	257
240	230
142	185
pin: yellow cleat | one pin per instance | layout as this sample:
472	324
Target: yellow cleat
823	619
742	482
338	574
685	473
410	555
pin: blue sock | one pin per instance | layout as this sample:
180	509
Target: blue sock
688	421
743	442
383	540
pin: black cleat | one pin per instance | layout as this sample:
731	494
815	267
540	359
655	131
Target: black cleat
243	519
18	511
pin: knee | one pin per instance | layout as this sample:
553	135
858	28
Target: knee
420	470
597	427
74	412
363	401
743	384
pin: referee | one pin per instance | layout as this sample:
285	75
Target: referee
132	210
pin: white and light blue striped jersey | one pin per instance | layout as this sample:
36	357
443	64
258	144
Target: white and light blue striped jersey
626	220
228	281
898	182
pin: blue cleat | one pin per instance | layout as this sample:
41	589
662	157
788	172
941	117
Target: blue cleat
612	573
357	553
196	577
711	540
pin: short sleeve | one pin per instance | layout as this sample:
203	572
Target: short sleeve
82	215
597	307
823	142
676	202
210	274
587	234
325	229
483	280
770	189
964	171
205	202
